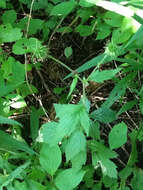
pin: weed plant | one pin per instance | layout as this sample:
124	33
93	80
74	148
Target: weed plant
84	146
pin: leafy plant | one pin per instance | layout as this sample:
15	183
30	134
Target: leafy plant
80	147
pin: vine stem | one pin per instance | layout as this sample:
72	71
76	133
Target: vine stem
25	56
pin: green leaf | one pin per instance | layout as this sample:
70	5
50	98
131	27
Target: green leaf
113	19
50	158
7	143
98	60
95	130
9	34
104	114
85	121
72	86
101	155
63	9
68	51
103	31
118	132
4	120
127	106
34	185
137	181
3	4
69	179
119	36
84	30
76	143
101	76
78	160
51	133
34	121
86	3
9	16
15	174
31	45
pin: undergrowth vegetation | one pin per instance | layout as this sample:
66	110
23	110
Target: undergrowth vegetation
71	94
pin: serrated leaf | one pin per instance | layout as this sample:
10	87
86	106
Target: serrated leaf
9	34
63	9
127	107
85	121
9	16
104	114
101	155
118	135
101	76
8	143
75	144
69	179
68	52
50	158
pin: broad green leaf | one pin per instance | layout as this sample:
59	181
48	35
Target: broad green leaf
78	160
101	76
14	174
94	131
72	86
84	30
9	16
103	31
137	181
68	179
69	116
4	120
119	36
118	132
75	144
34	185
50	158
101	155
63	9
9	34
68	51
35	26
104	114
31	45
51	133
20	47
7	143
113	19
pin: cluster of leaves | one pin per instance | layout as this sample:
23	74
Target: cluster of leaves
70	152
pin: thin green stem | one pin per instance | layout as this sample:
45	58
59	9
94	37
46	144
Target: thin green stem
64	65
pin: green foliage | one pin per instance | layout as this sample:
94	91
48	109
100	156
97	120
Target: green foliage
74	150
